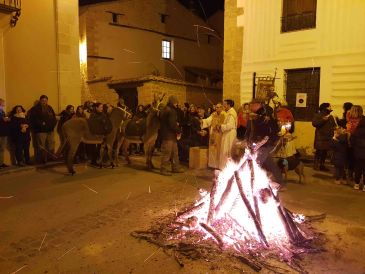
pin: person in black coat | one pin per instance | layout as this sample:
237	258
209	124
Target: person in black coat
20	135
339	145
99	124
4	132
170	132
357	141
262	124
43	120
346	107
325	125
99	121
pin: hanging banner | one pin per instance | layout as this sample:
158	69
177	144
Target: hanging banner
264	88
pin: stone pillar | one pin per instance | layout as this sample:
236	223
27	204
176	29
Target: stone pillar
68	62
233	45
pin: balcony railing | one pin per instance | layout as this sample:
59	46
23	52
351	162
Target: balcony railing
9	6
298	21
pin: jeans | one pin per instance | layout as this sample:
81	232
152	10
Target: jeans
3	142
170	155
46	145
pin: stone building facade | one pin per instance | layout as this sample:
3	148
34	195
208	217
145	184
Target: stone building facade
146	87
123	40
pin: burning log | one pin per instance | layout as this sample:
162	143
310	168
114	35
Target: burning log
241	218
213	233
225	194
212	199
250	210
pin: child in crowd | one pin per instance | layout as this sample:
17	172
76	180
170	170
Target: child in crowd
339	146
20	135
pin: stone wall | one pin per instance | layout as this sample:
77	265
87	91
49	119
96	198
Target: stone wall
100	92
185	92
233	45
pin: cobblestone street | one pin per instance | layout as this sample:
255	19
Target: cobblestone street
52	223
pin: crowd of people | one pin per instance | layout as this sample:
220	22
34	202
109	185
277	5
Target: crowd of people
183	126
345	140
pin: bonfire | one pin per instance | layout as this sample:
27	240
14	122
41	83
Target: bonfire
242	218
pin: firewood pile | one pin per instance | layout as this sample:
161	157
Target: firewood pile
240	223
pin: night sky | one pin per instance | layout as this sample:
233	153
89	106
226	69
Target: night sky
205	8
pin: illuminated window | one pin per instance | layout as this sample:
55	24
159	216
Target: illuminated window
167	49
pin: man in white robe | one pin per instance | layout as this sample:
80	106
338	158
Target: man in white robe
229	132
215	136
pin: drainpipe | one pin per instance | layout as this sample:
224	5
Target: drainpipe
55	2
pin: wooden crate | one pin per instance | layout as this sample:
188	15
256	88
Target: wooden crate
198	157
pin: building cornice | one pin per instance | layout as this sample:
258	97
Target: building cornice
119	83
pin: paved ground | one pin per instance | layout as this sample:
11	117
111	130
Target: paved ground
85	221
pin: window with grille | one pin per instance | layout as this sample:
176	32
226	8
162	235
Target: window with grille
167	49
303	81
298	15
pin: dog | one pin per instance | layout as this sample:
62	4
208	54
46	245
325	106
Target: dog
292	163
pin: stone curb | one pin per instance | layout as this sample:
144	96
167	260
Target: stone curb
15	169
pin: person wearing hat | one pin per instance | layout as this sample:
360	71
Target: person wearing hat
43	121
325	125
170	132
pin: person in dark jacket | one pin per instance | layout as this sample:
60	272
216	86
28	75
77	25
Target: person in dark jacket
339	145
43	120
358	143
4	132
343	122
99	124
65	115
80	112
20	135
260	125
194	122
325	125
170	132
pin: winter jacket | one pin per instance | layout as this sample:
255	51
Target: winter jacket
358	141
260	127
324	131
42	121
340	150
16	132
169	124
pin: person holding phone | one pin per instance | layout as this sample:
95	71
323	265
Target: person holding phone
325	125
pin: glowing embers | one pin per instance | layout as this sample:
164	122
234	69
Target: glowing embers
243	211
240	220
